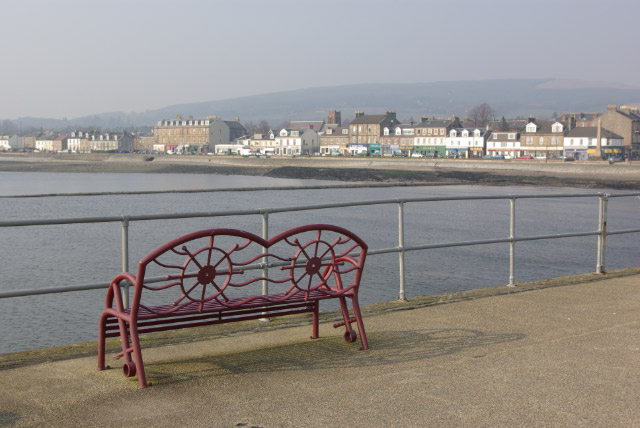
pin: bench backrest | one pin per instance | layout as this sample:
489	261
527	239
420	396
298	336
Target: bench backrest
225	266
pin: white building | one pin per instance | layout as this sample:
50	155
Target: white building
580	143
504	143
78	142
10	142
466	143
261	143
108	142
295	142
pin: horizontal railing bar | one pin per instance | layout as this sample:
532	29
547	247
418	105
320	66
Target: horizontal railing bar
457	244
233	189
620	232
556	236
45	222
53	290
622	195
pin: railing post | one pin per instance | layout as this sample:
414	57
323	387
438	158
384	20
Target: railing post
125	259
599	244
401	295
265	260
512	242
603	234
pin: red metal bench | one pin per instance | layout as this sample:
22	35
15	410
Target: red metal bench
215	276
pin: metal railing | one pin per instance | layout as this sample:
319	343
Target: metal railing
401	249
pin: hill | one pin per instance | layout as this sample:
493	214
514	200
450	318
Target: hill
509	97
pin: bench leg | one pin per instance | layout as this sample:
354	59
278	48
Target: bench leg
137	355
101	341
349	334
356	311
316	310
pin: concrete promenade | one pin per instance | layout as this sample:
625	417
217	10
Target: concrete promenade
563	356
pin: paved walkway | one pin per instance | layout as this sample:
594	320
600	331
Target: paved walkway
557	357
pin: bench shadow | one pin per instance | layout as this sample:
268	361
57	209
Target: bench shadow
385	348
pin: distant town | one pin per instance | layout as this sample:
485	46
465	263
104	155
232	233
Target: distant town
613	135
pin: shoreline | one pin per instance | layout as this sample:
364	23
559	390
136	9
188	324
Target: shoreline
619	176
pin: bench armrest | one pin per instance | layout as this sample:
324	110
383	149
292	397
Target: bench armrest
114	290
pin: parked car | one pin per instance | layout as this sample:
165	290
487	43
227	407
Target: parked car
417	155
497	157
525	157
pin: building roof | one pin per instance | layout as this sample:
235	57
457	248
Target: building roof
434	123
483	131
306	124
504	134
591	132
335	130
234	125
544	127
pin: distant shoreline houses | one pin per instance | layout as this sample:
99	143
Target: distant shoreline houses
580	136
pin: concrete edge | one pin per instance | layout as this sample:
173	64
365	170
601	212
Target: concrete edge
85	349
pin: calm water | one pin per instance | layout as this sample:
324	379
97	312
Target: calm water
48	256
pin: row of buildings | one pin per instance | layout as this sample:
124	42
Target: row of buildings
580	136
75	142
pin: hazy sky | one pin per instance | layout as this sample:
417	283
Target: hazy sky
68	58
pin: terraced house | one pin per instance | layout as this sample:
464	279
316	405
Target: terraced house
466	143
431	133
624	121
398	141
543	139
366	130
199	135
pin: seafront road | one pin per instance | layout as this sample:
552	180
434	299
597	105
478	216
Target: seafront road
562	356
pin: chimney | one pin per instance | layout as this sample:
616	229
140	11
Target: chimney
423	119
237	119
612	107
335	117
595	116
564	117
390	114
359	113
531	120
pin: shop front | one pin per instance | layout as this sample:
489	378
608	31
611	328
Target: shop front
374	149
476	152
357	149
431	151
607	152
455	153
577	154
